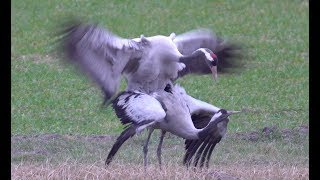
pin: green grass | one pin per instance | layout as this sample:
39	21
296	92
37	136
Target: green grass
48	97
89	149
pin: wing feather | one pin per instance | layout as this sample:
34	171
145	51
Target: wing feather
192	40
99	53
201	149
137	111
138	108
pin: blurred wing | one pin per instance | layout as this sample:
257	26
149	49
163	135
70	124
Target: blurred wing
200	150
195	39
99	54
229	54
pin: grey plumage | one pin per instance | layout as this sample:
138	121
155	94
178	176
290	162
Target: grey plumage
96	52
174	112
147	63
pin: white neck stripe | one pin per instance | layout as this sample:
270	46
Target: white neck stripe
208	56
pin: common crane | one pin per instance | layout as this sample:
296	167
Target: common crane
171	110
147	63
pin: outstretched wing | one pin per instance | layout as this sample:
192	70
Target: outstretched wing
195	39
99	54
200	150
230	54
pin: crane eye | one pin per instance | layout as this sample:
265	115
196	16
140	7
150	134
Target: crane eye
223	111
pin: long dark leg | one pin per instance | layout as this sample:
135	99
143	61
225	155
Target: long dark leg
159	147
126	134
145	149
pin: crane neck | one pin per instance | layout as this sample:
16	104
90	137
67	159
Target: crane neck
211	126
196	54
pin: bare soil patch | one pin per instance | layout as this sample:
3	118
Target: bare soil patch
266	132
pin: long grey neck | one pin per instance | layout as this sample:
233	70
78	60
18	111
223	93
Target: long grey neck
195	55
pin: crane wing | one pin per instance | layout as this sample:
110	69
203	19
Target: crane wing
198	38
200	150
99	53
136	110
230	54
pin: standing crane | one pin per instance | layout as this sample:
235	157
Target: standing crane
150	66
171	111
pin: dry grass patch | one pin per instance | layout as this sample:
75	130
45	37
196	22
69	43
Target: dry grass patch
268	154
75	170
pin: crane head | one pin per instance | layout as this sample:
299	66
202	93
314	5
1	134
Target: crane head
212	61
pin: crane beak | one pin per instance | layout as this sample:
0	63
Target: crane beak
233	112
214	72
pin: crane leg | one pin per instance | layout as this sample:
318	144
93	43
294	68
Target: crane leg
145	149
159	147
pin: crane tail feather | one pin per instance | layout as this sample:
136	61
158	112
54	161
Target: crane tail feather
209	154
199	151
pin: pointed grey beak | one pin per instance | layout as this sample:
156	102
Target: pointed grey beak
214	72
233	112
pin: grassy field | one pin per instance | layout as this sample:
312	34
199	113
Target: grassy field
54	110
